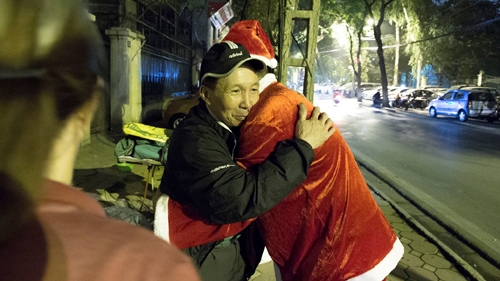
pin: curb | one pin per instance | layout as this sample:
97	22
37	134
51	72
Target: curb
413	222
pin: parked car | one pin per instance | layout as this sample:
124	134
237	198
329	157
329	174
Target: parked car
496	95
479	88
458	86
366	86
391	92
422	98
397	94
399	97
464	104
177	109
348	91
368	94
323	88
434	88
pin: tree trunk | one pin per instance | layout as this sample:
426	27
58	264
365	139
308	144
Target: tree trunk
381	62
380	51
358	73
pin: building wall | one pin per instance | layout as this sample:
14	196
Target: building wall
167	52
162	79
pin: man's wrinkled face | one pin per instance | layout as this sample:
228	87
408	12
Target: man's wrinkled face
233	96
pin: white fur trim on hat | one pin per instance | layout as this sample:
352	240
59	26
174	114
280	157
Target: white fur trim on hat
251	35
272	63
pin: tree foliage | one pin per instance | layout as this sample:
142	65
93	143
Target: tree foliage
458	38
464	31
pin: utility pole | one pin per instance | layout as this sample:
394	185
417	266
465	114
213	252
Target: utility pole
419	69
480	78
396	59
289	13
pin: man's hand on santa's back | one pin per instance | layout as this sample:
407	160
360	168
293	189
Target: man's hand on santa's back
315	130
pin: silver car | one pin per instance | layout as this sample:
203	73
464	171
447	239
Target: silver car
464	104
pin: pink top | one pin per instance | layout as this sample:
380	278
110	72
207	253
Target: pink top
81	243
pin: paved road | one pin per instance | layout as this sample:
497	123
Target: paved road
448	167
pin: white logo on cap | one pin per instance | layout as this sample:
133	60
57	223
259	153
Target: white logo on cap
231	44
235	55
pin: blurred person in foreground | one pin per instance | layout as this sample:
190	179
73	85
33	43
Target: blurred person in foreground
330	228
51	72
204	184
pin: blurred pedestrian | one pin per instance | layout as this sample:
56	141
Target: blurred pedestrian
51	78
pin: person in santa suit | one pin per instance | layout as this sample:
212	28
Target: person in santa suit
330	228
211	200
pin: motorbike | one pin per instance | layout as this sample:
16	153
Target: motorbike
408	102
495	116
337	96
419	102
377	100
402	102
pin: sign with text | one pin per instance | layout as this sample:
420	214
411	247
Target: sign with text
222	16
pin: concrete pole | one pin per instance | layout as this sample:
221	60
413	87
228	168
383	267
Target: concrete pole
419	69
480	78
396	59
125	78
210	34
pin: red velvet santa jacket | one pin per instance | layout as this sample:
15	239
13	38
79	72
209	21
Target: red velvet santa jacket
330	228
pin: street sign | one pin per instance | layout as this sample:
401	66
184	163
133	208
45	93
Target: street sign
222	16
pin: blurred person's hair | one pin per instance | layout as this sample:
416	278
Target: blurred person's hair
50	59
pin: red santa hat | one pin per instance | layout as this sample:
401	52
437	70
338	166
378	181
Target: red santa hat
250	34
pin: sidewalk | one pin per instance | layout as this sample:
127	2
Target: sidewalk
96	172
422	260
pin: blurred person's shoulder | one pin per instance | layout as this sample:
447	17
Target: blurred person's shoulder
96	247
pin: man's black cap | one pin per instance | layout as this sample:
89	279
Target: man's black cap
224	57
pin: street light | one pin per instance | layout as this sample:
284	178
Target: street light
339	31
368	29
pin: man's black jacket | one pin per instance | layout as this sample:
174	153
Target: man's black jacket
200	171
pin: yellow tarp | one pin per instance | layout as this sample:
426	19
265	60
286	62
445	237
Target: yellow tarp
145	131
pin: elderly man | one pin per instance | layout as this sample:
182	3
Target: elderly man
330	228
205	185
